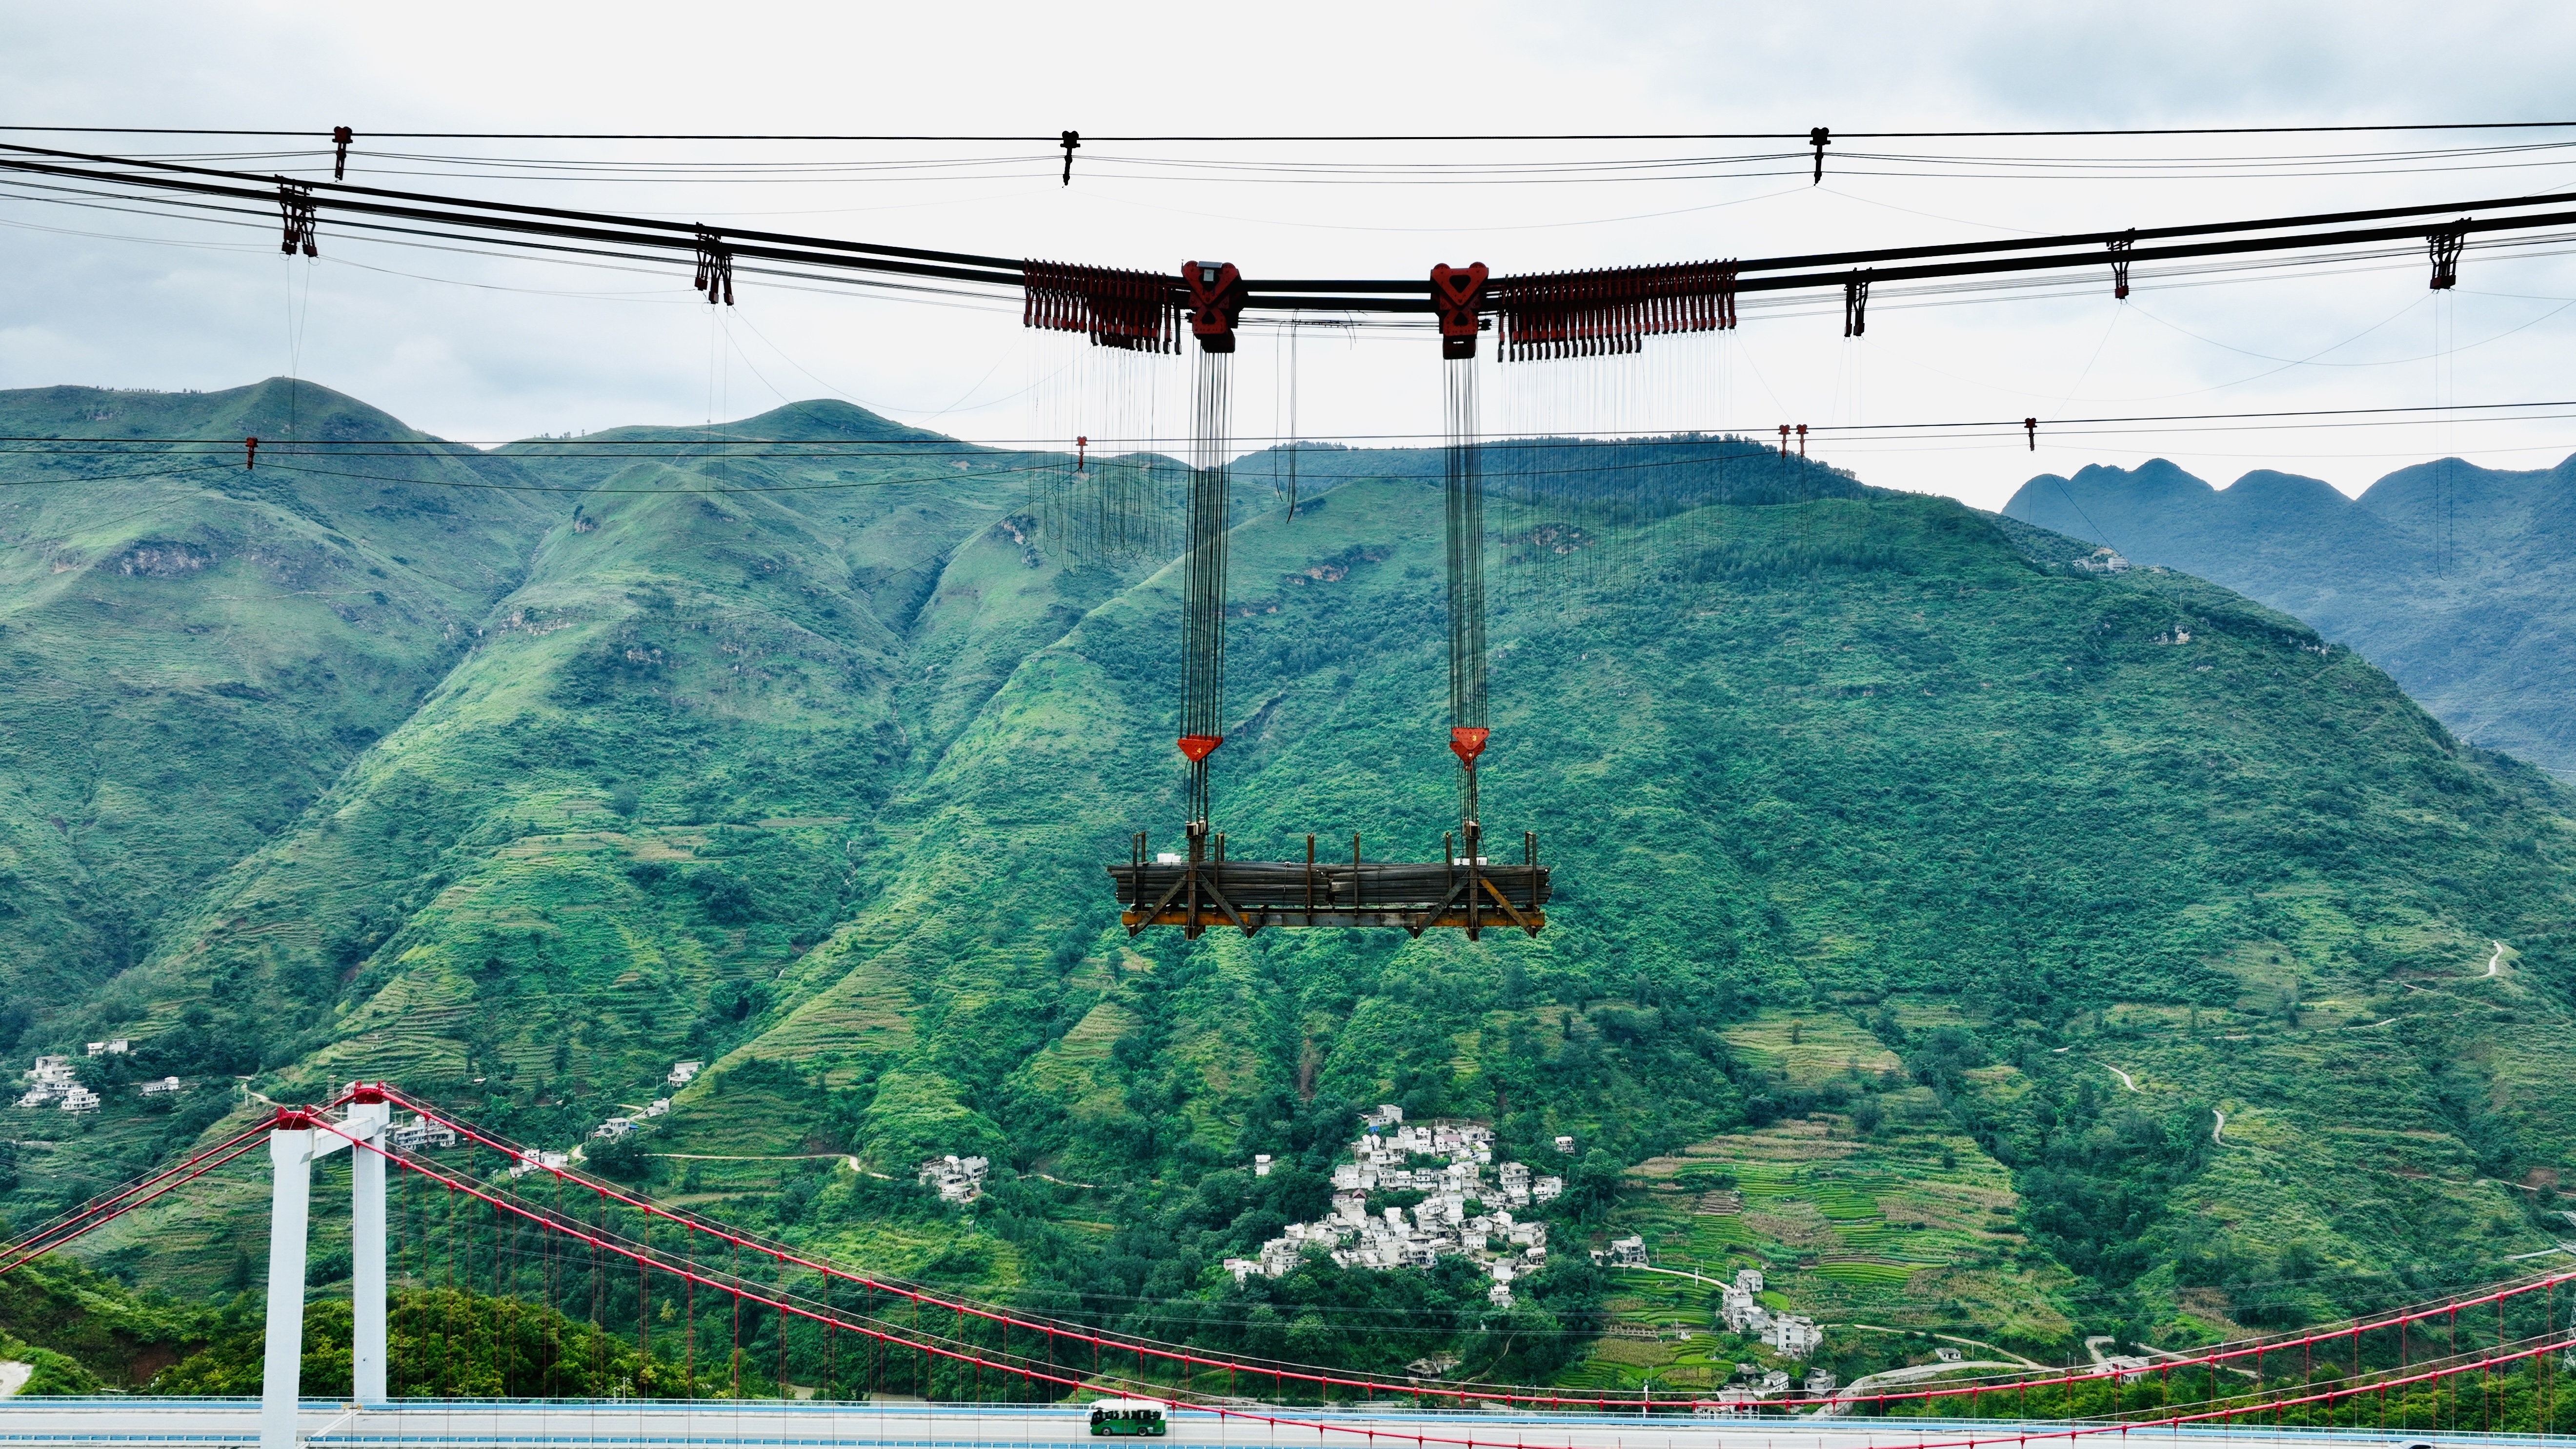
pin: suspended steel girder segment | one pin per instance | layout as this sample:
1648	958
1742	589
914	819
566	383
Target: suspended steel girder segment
1464	892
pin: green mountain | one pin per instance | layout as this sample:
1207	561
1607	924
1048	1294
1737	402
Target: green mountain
1973	941
196	651
2452	577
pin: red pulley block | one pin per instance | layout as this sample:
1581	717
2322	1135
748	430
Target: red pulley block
1199	747
1467	743
1216	305
1456	294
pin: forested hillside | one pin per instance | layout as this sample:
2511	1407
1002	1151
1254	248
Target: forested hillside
1923	902
2452	577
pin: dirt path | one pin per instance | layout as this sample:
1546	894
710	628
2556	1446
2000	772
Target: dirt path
2125	1079
2496	961
1860	1387
2217	1127
2029	1363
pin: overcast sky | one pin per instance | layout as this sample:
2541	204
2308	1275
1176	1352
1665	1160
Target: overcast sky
486	347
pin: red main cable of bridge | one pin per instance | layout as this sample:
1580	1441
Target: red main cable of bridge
115	1205
1189	1363
100	1211
781	1303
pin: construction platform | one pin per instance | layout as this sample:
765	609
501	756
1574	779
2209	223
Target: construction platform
1251	894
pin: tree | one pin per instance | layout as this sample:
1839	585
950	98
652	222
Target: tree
1594	1187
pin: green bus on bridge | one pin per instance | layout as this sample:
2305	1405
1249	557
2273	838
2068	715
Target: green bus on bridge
1127	1416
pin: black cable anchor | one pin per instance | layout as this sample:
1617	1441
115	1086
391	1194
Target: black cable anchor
715	267
2031	426
1071	143
2120	246
295	206
2446	244
341	136
1820	137
1856	304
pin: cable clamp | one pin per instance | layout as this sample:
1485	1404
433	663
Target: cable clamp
715	267
295	208
2446	244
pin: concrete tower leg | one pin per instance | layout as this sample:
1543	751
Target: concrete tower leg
290	1155
369	1114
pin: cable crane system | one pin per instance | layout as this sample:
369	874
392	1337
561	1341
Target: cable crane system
1534	317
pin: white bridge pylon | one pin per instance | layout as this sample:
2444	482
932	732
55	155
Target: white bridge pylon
295	1139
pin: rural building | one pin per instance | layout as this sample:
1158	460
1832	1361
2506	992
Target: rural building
957	1179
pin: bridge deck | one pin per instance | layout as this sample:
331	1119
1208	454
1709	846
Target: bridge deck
126	1423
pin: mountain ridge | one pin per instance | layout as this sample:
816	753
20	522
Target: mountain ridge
2447	574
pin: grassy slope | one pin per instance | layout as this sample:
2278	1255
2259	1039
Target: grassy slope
623	814
1956	774
824	780
190	653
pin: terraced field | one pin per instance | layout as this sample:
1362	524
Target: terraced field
1911	1227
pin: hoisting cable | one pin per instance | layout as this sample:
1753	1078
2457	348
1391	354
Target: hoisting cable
1458	294
1216	301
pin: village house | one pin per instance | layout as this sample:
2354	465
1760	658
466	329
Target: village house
957	1179
50	1078
1788	1334
1443	1224
418	1133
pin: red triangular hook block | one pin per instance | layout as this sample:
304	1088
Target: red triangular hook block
1199	747
1467	743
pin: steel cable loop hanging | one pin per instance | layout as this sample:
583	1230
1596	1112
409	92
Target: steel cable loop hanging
1134	311
1855	314
1609	313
